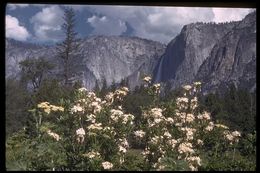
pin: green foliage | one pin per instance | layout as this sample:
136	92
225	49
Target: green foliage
236	108
16	106
35	70
33	148
134	161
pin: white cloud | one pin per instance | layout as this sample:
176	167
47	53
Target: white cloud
14	6
14	30
47	24
164	23
107	26
229	14
157	23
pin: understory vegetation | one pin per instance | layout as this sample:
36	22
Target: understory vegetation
59	128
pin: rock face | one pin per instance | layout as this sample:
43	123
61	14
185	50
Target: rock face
233	59
187	51
216	54
99	58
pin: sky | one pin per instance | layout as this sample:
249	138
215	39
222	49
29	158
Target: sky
41	23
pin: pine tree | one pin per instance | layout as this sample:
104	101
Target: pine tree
70	44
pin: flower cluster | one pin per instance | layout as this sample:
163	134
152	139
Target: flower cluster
232	137
54	135
139	133
92	154
102	121
117	115
120	93
156	88
107	165
147	79
80	135
47	107
187	121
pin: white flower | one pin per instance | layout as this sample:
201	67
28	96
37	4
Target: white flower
156	112
122	149
125	89
43	105
56	108
190	118
187	87
200	142
236	134
122	160
157	85
185	148
147	79
157	88
107	165
189	132
80	135
54	135
80	131
197	83
124	142
145	152
230	137
155	140
161	167
182	99
167	135
193	168
157	120
206	115
98	100
116	112
91	118
82	89
209	128
221	126
195	159
97	109
92	154
170	120
172	142
200	117
76	108
94	126
139	133
194	103
109	97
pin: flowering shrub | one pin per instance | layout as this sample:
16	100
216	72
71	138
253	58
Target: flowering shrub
176	137
92	133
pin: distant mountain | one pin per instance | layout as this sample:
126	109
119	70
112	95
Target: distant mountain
233	59
187	51
197	52
216	54
99	58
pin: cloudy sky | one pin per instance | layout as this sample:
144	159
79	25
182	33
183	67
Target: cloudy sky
42	23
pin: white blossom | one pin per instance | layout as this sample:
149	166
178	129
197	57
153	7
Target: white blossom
80	131
82	89
147	79
54	135
107	165
187	87
185	148
139	133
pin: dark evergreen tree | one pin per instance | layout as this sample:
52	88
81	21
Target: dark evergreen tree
70	45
